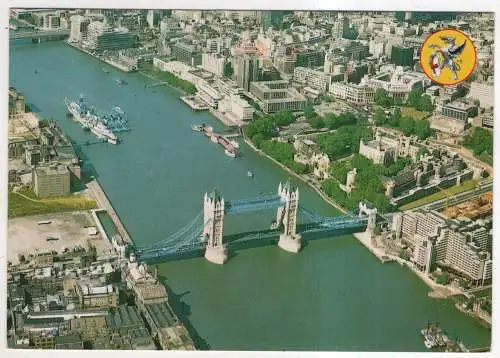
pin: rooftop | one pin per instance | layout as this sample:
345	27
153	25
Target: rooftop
162	314
52	170
123	316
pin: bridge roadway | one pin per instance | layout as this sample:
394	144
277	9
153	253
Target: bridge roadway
194	248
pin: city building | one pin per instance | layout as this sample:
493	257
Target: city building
101	37
397	82
213	63
483	92
237	108
51	181
276	96
94	295
187	53
446	243
353	93
208	94
16	104
459	110
228	87
79	27
247	69
448	125
309	58
377	151
284	60
272	18
312	78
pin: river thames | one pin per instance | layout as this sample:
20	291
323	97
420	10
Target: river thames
333	295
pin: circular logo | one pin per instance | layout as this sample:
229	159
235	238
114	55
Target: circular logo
448	56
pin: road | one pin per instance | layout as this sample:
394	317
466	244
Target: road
459	198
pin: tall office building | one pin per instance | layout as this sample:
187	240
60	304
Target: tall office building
101	37
246	70
51	181
79	26
402	55
273	18
154	17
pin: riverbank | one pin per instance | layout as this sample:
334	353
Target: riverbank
304	180
151	77
101	198
484	318
438	291
110	62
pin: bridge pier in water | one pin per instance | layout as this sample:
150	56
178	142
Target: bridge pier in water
213	228
287	215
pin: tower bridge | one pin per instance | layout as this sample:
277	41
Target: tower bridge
205	232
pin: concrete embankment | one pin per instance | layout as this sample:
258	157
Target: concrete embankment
102	200
119	66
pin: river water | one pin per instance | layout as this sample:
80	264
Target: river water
334	295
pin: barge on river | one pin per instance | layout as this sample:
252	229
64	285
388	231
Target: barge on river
230	147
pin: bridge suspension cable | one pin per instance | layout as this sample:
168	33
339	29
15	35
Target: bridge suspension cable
194	225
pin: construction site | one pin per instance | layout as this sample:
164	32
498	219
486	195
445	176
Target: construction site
475	208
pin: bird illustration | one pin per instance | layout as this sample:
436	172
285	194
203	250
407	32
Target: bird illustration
446	57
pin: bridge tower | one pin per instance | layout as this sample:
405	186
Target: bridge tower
213	227
368	209
287	215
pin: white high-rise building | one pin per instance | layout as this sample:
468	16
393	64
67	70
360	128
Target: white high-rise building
213	63
76	34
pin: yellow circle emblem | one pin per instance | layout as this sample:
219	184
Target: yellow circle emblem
448	57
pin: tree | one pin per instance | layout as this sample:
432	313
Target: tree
481	140
444	279
317	122
382	98
486	306
414	98
309	112
422	129
228	69
407	125
425	104
379	117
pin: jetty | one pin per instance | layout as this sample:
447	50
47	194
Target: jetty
103	202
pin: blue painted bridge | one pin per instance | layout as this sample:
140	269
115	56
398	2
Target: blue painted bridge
292	220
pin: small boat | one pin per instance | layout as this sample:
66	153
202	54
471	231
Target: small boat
198	127
105	70
230	153
36	72
250	174
235	144
121	82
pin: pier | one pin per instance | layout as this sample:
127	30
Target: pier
230	147
194	103
158	84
